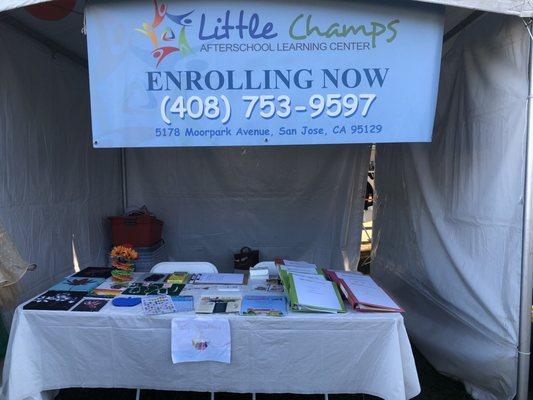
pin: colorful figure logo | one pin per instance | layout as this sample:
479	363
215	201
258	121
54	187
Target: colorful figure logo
166	42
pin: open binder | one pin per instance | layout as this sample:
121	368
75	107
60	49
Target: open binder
363	293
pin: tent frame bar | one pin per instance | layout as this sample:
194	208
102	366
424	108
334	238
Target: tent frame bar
526	286
53	46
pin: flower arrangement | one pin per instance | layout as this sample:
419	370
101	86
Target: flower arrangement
122	260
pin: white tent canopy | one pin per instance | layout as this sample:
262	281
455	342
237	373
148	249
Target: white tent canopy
523	8
449	249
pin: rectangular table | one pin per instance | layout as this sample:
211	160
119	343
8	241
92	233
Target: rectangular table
121	348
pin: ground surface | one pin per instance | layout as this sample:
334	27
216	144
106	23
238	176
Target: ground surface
434	386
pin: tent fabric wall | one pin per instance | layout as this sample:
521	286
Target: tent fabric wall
448	220
53	185
297	202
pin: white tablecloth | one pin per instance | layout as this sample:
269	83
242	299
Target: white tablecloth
121	348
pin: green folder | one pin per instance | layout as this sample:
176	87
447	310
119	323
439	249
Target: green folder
295	304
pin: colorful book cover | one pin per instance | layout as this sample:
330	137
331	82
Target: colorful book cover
93	272
109	288
275	306
73	284
90	305
183	303
54	300
155	278
149	288
178	278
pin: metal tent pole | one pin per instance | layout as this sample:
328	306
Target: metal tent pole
124	181
527	246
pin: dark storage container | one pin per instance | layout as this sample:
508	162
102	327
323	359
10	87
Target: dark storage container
137	230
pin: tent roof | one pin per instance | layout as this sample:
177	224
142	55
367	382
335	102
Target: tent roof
523	8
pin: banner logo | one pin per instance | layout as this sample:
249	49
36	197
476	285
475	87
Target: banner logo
163	37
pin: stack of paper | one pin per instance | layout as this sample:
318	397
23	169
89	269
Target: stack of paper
363	293
221	279
299	267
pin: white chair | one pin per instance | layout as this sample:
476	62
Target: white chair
193	267
270	265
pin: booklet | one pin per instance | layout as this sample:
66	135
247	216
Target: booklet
218	304
72	284
313	293
364	294
274	306
225	279
54	300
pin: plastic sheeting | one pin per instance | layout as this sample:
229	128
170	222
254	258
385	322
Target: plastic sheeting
53	185
449	214
297	202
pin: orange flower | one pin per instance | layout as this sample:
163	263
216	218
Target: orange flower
124	252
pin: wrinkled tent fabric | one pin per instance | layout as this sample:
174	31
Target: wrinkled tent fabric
522	8
298	202
449	214
53	184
